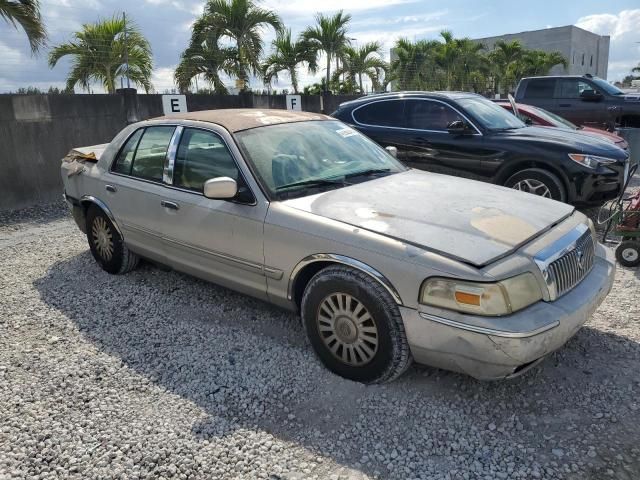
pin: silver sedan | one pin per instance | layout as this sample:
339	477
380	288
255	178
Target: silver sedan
385	264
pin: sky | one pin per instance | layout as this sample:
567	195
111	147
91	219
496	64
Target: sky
167	23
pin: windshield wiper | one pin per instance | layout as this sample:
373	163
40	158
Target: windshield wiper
368	172
312	182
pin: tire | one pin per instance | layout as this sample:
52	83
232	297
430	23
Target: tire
106	244
376	355
542	180
628	253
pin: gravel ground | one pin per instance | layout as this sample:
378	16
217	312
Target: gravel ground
158	375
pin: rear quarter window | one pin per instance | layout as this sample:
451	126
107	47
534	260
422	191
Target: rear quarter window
540	88
388	113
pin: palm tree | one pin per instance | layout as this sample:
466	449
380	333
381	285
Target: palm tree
99	55
471	67
204	56
415	65
287	55
329	36
504	59
241	21
539	62
25	13
365	60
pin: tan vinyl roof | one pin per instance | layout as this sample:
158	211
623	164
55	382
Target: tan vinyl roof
236	119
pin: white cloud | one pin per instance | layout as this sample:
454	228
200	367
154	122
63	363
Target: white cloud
162	79
622	27
285	7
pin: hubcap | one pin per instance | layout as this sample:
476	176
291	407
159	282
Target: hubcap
347	329
102	238
536	187
630	254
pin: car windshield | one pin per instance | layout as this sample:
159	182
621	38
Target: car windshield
554	119
491	116
607	87
297	159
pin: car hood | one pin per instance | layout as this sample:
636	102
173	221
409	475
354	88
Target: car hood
473	222
612	137
559	138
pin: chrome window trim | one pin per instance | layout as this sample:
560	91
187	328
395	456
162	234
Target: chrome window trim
561	247
170	158
479	133
488	331
344	260
170	165
103	206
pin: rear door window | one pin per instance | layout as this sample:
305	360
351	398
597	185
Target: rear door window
148	162
540	88
388	113
429	115
124	162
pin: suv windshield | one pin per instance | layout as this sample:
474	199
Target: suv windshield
606	86
491	116
297	159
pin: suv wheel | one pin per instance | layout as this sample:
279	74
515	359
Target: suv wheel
354	326
106	244
538	182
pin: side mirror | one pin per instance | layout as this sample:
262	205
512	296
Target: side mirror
220	188
590	96
458	127
393	151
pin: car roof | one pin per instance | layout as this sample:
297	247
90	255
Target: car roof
408	94
236	119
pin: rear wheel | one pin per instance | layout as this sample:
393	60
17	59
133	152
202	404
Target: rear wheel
628	253
106	244
538	182
355	326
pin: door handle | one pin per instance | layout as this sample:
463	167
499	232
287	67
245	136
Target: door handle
110	188
171	205
564	105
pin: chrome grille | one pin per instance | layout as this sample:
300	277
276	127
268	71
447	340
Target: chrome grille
569	270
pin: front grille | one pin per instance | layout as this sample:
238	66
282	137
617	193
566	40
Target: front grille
569	270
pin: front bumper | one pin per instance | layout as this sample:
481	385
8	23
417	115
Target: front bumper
523	339
596	188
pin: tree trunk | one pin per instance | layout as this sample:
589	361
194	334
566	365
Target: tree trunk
109	80
360	81
294	79
328	70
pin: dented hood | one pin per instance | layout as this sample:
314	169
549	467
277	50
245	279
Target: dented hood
470	221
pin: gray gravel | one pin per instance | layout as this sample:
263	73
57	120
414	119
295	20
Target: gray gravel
158	375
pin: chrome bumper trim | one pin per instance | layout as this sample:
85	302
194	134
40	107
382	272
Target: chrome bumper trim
488	331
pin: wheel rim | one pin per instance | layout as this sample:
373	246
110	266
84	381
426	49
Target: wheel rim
347	329
533	186
102	238
630	254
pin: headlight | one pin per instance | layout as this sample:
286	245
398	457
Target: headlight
500	298
590	161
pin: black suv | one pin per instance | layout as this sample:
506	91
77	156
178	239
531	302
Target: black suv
466	135
585	100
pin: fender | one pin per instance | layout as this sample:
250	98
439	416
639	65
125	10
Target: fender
344	260
91	199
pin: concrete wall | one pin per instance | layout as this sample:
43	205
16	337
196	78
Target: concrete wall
569	40
37	131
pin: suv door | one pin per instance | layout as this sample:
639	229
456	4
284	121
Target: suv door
133	189
221	240
570	104
429	145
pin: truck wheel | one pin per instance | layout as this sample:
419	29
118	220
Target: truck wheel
628	253
106	244
355	326
539	182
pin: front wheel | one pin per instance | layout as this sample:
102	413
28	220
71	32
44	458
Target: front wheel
106	244
355	326
538	182
628	253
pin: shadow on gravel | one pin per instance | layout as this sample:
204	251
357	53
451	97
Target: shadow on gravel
247	365
40	214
